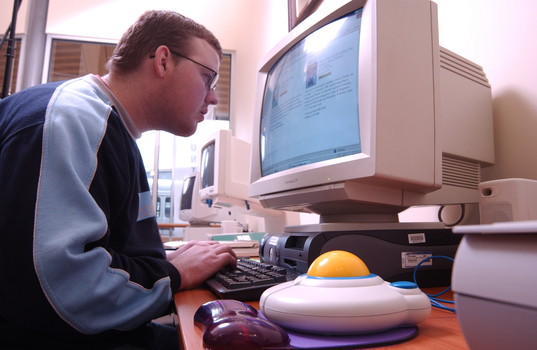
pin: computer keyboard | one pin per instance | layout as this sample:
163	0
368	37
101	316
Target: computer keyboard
249	280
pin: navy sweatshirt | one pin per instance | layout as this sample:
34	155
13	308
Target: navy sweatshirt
80	251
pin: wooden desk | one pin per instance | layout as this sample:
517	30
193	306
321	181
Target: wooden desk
440	331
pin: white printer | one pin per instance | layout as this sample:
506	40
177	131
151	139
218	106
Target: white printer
494	280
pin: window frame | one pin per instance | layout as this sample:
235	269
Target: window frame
232	56
78	39
47	61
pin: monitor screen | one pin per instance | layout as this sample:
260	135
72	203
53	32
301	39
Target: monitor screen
188	190
313	88
207	167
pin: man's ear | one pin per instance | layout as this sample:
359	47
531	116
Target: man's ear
162	60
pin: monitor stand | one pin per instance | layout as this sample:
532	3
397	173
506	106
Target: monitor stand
346	226
362	222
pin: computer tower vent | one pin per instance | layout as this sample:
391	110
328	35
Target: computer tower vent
463	67
460	173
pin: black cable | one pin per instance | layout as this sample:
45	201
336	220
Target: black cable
10	52
5	35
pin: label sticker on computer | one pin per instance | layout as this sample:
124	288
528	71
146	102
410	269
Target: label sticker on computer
414	238
273	240
412	259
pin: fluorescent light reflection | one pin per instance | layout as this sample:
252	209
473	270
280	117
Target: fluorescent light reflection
319	39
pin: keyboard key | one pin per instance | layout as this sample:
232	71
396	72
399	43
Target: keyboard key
249	280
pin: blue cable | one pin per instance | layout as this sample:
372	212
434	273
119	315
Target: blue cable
435	302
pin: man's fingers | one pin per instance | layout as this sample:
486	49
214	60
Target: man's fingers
198	261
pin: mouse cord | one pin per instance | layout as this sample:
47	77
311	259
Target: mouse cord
436	302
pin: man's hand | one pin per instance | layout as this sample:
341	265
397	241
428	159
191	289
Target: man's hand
197	261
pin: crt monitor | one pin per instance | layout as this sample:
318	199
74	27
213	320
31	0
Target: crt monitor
224	175
360	114
191	209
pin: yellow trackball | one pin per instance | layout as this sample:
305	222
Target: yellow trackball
338	263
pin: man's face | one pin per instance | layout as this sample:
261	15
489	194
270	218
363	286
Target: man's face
185	94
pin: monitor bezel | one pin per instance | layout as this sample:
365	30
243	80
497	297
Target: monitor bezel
200	214
368	150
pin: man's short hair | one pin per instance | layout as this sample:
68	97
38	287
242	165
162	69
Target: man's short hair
153	29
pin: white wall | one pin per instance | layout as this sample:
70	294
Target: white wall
6	14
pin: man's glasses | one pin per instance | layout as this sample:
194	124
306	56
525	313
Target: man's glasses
211	82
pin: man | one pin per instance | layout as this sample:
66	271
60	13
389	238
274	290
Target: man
81	260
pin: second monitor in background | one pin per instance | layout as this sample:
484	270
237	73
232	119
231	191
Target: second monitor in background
225	176
200	217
